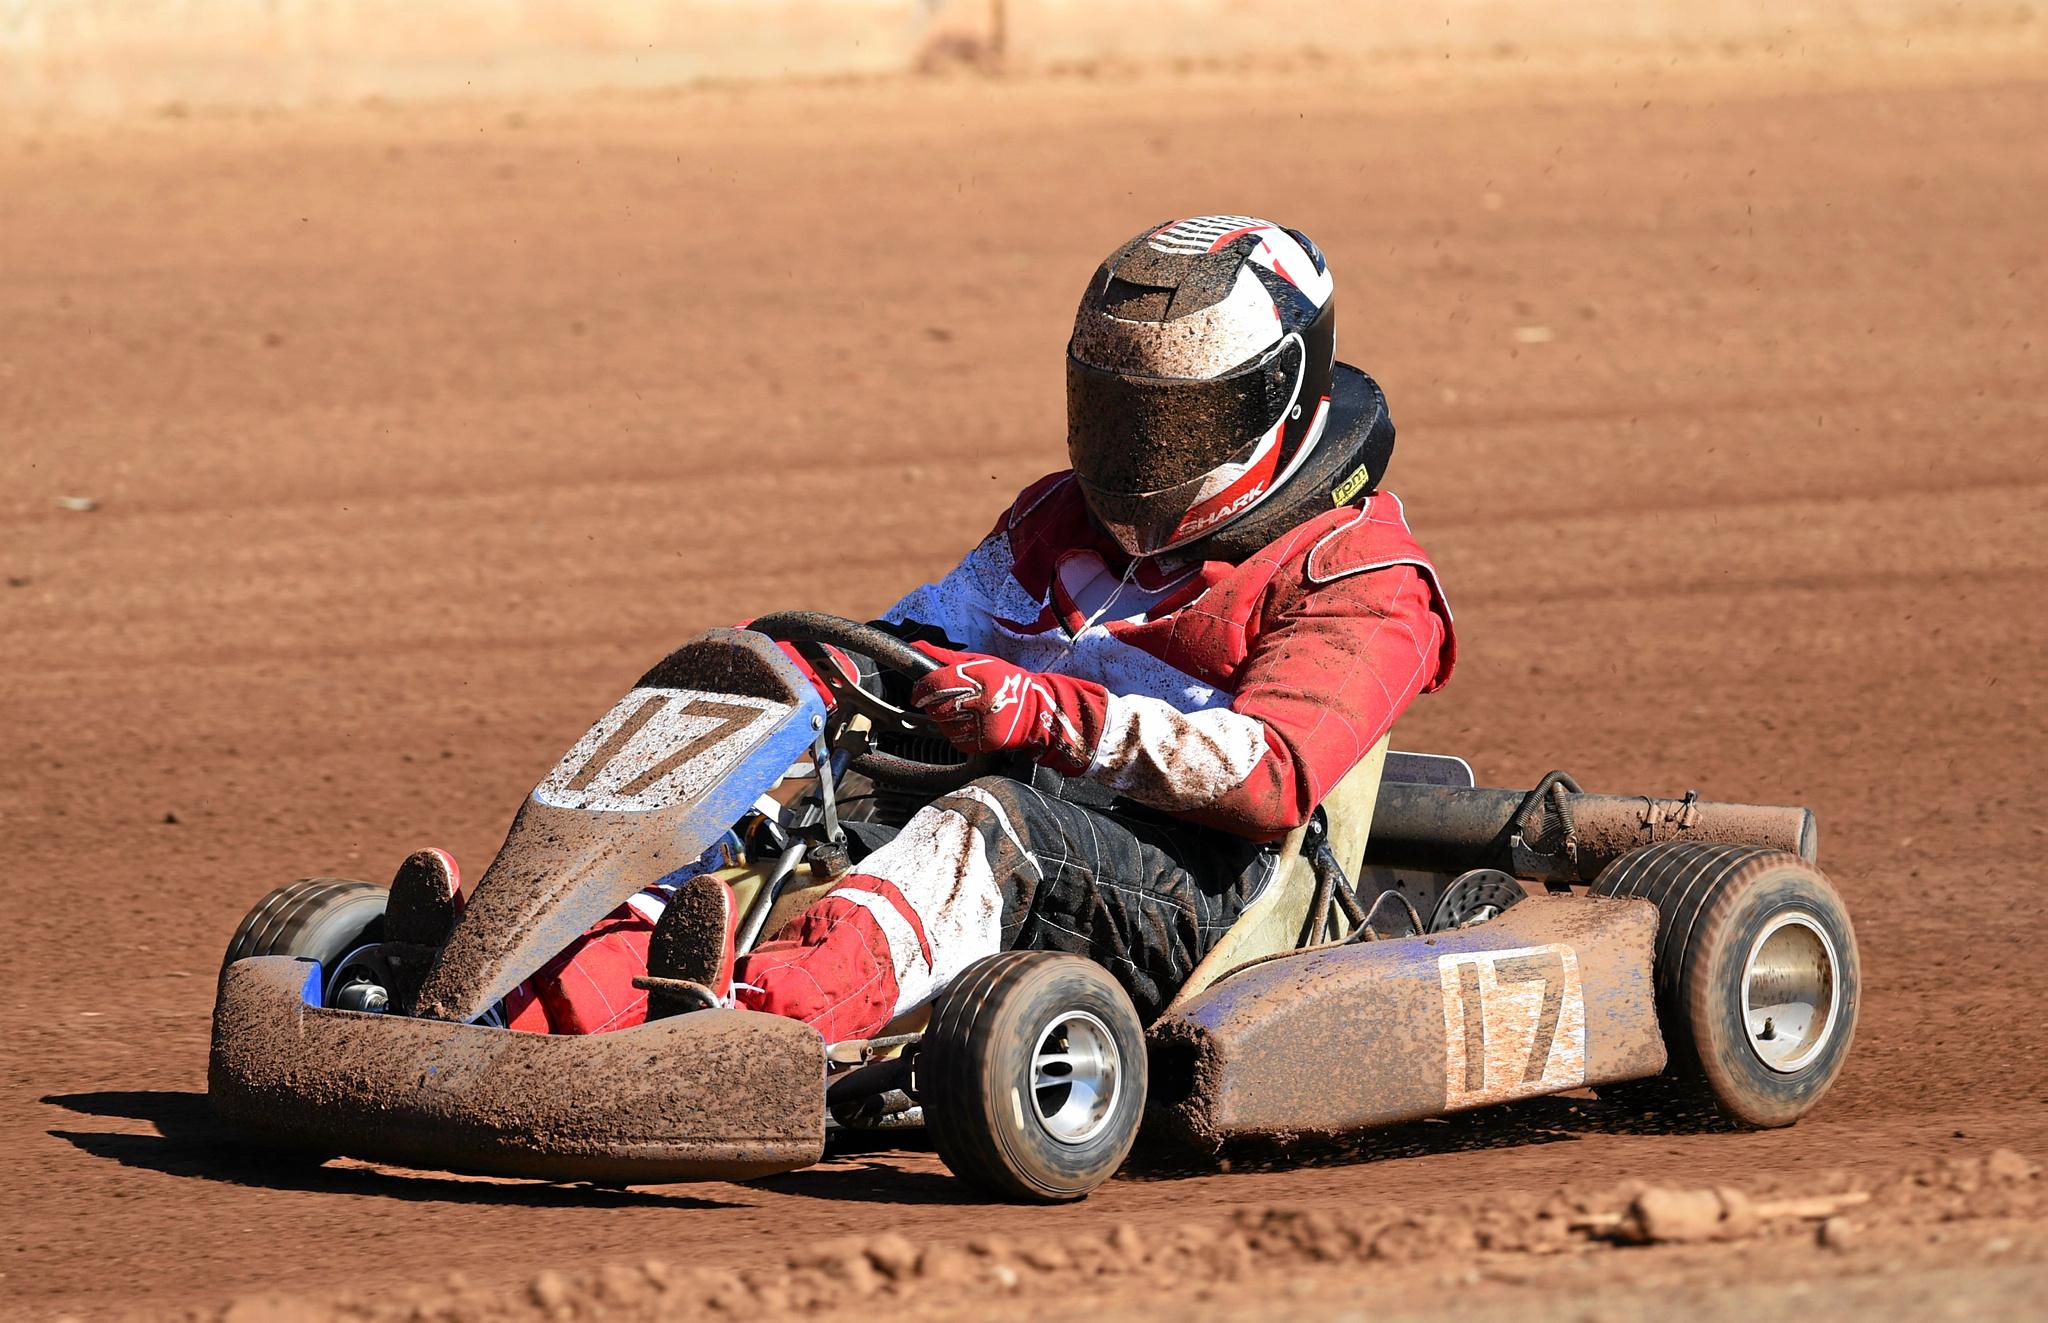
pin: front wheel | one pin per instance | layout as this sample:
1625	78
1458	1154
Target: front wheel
1756	974
316	918
1032	1076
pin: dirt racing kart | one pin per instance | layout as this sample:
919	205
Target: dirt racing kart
1424	946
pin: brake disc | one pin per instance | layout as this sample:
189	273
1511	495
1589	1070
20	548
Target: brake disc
1475	897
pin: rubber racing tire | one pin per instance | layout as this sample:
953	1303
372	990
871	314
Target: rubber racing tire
317	918
1732	919
975	1075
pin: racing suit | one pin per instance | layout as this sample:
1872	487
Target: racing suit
1219	702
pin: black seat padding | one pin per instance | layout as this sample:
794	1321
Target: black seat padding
1427	769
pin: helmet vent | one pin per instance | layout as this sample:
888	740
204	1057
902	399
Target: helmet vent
1134	302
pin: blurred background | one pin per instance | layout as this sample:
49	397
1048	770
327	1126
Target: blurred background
384	385
114	55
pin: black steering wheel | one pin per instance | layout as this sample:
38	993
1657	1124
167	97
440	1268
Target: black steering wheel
810	632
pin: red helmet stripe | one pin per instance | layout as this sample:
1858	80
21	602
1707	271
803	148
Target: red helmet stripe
1238	497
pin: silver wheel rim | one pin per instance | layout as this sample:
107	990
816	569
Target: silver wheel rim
1791	996
361	980
1076	1077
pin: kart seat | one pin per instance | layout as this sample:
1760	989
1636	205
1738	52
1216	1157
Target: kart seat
1278	915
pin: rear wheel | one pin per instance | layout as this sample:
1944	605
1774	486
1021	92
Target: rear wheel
1756	975
1032	1076
317	918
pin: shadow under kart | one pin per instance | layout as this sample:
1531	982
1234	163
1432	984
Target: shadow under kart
1423	947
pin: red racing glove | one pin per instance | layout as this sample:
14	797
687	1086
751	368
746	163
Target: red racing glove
810	673
987	705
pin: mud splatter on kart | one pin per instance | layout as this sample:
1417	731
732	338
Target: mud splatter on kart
1425	946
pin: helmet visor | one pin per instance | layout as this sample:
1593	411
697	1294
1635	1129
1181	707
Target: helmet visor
1149	524
1148	449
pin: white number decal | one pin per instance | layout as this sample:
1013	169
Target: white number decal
1514	1024
656	748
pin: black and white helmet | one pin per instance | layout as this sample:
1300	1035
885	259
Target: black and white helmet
1199	378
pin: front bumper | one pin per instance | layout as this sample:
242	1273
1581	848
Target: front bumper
714	1095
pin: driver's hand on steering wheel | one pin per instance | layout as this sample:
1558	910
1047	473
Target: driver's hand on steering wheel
987	705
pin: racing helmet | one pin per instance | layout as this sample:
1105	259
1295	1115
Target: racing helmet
1199	380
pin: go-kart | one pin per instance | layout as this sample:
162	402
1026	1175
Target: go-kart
1423	946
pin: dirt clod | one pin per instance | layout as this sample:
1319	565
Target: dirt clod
1738	1213
2008	1167
846	1264
893	1255
619	1285
947	1263
549	1291
1677	1216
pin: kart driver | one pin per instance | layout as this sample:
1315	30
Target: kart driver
1196	631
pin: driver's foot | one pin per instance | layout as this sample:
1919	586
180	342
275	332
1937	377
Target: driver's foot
426	895
692	943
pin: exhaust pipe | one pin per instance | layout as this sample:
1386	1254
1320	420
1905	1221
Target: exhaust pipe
1555	833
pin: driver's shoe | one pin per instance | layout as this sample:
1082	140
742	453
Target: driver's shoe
426	896
692	943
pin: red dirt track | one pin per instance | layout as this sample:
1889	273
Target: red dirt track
416	434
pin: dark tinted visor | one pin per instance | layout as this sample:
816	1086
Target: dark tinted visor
1144	525
1138	436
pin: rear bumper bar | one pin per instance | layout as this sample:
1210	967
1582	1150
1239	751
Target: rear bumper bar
714	1095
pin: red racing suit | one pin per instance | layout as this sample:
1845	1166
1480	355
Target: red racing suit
1232	696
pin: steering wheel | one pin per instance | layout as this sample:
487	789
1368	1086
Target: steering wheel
810	632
